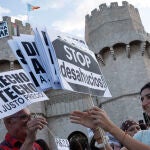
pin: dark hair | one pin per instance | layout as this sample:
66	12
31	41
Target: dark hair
92	144
128	123
146	86
75	145
43	144
143	126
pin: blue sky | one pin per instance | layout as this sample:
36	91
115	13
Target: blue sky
65	15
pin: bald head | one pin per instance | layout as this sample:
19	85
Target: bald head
7	119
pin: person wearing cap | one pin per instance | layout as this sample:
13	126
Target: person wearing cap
130	127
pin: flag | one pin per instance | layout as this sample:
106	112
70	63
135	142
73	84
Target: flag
31	7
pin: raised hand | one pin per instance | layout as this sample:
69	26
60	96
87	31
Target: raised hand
33	125
100	118
83	118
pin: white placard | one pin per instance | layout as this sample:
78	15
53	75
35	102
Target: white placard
17	92
63	63
50	61
62	144
79	69
30	52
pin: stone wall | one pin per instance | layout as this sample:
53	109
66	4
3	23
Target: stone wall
117	37
107	26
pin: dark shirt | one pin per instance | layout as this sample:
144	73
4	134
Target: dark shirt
11	143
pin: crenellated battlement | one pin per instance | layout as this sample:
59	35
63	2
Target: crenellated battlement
17	27
113	24
14	29
114	5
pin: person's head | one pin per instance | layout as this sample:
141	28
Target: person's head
145	98
131	127
92	144
16	124
143	126
43	144
75	145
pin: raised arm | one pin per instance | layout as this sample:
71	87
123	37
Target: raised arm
84	118
32	128
101	119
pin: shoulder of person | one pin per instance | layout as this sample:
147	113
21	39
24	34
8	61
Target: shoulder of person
143	136
141	132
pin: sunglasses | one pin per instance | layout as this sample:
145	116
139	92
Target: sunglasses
23	117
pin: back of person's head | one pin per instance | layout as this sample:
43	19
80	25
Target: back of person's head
92	144
127	124
75	145
146	86
143	126
130	127
43	144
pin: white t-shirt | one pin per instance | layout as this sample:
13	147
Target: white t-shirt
143	136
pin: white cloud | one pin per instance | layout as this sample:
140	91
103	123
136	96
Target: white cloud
27	1
22	18
75	20
139	3
4	10
47	5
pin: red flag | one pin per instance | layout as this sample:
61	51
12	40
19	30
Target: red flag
31	7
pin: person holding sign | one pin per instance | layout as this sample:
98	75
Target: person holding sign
97	117
21	131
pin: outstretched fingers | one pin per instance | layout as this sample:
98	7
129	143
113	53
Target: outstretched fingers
36	123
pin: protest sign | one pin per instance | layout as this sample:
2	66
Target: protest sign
4	32
64	62
72	39
46	49
62	144
79	69
17	92
31	54
23	62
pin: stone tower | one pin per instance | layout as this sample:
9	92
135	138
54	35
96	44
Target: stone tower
117	37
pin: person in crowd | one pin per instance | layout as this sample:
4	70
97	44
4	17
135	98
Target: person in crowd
114	143
93	144
130	127
21	131
78	143
97	117
143	126
75	145
43	144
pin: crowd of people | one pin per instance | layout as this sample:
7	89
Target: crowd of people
22	130
129	136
